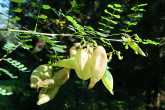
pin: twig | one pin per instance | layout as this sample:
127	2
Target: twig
117	40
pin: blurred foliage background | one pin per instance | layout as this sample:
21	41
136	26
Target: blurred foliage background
139	82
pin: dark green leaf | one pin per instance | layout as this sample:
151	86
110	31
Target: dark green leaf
134	9
34	4
16	9
16	18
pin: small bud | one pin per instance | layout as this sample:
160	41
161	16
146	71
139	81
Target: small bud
118	54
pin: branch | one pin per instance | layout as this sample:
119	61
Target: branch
38	33
52	35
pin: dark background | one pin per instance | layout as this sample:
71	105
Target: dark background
138	81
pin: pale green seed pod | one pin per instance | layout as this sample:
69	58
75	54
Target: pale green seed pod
136	48
80	61
47	94
87	67
41	73
61	77
107	80
98	65
73	51
76	62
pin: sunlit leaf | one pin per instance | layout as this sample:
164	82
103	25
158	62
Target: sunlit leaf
142	5
110	6
117	5
46	7
42	16
28	46
117	16
18	1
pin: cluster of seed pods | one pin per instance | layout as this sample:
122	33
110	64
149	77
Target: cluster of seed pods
42	77
87	62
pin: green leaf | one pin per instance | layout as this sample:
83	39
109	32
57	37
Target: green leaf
89	27
25	36
117	16
117	5
34	4
141	10
114	22
106	11
71	19
47	39
105	26
119	10
110	6
16	9
134	9
42	16
101	34
128	31
142	5
107	80
61	46
126	46
16	18
18	1
28	46
46	7
58	49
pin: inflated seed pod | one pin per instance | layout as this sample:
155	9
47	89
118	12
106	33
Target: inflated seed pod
76	62
87	68
61	77
134	46
47	94
107	80
41	73
73	51
98	65
68	63
80	61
